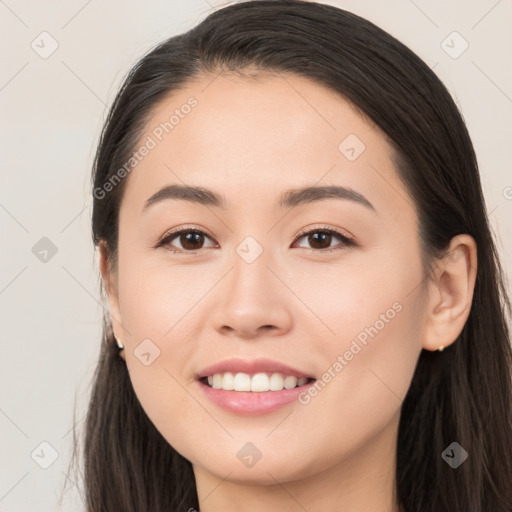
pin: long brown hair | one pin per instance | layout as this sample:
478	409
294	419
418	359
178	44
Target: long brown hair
463	394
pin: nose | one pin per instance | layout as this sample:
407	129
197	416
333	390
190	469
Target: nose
253	302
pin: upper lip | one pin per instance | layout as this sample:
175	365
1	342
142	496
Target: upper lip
251	366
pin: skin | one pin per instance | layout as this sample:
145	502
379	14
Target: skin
250	139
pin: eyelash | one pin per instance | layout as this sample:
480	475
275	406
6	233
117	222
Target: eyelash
168	237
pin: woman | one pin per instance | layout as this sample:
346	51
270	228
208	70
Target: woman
306	306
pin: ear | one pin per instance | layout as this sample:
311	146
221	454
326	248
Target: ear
110	285
451	293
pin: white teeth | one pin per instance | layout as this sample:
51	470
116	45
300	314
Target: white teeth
242	382
259	382
276	382
290	382
228	381
217	381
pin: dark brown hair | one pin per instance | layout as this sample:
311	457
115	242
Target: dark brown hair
462	394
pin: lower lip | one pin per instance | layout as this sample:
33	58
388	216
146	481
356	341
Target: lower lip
251	403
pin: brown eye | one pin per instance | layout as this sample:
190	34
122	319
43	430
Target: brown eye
190	240
321	239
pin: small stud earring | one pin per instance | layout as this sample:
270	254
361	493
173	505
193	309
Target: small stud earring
120	346
441	348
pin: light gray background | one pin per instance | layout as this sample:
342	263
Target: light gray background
52	110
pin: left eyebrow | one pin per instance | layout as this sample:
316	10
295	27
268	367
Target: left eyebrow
291	198
288	199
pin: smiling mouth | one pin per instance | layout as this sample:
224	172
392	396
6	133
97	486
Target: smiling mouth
257	383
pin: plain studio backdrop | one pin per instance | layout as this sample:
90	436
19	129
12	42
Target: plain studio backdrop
62	63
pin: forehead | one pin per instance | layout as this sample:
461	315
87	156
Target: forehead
257	136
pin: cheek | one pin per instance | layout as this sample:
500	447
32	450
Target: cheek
367	361
368	327
363	298
154	298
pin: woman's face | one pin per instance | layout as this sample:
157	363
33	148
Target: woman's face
251	286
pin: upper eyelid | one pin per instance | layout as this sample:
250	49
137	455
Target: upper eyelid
338	231
178	231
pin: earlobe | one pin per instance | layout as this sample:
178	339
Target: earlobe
120	346
452	284
110	286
